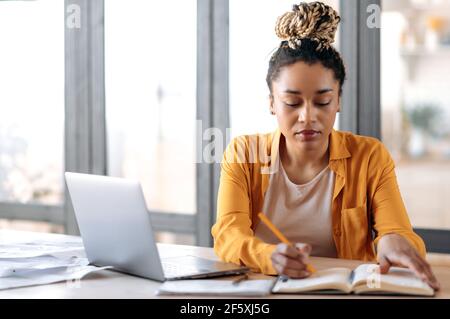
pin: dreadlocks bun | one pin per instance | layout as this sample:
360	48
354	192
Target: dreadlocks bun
315	21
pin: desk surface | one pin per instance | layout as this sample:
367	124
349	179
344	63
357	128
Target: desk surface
110	284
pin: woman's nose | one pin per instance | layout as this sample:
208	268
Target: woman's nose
306	114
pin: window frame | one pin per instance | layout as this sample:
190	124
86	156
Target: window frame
212	104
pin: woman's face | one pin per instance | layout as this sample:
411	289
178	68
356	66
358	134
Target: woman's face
305	100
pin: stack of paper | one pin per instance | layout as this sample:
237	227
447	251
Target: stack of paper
42	262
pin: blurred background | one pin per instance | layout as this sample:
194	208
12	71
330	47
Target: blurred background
154	85
415	82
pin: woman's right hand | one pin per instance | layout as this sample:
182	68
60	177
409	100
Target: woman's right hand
291	260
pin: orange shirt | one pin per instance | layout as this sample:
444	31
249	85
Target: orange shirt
366	201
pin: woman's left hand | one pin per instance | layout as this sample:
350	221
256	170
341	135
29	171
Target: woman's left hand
395	250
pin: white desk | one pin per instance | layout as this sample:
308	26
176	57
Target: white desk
110	284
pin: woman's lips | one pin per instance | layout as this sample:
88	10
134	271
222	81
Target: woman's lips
308	135
308	132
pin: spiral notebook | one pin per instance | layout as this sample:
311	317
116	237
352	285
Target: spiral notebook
210	287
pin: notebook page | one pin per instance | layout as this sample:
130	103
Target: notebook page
398	280
328	279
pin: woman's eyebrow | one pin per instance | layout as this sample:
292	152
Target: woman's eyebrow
321	91
289	91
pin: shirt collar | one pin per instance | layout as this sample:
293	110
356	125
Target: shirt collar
338	147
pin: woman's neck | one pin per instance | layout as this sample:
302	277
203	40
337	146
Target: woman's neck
294	156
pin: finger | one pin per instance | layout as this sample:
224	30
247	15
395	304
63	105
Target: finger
287	262
298	274
409	262
427	270
415	265
291	273
431	279
426	274
427	267
283	270
384	264
278	268
433	282
305	250
288	250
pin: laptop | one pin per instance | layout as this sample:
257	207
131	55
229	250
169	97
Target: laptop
116	230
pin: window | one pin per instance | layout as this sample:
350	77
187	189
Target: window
32	111
150	67
32	102
415	39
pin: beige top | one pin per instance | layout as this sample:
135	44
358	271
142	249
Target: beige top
301	212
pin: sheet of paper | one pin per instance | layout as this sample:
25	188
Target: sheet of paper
12	266
47	276
36	249
36	259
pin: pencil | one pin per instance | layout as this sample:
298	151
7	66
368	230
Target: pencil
281	237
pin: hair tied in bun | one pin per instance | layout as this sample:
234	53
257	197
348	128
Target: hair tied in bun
315	21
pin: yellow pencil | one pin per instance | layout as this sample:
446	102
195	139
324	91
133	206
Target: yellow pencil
280	236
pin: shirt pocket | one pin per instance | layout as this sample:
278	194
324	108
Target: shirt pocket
355	230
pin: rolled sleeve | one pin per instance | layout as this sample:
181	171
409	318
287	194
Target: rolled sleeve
389	213
234	239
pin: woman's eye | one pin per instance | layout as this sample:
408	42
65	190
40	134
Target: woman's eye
292	104
323	103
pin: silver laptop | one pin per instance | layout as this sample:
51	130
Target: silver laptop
115	227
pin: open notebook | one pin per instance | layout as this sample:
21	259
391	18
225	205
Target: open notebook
365	279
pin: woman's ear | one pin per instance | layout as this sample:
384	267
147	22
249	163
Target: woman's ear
271	108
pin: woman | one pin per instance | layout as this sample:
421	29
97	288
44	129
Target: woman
332	193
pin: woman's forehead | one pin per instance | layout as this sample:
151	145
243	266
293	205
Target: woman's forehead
305	78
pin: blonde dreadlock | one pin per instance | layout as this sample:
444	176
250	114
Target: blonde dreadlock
315	21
